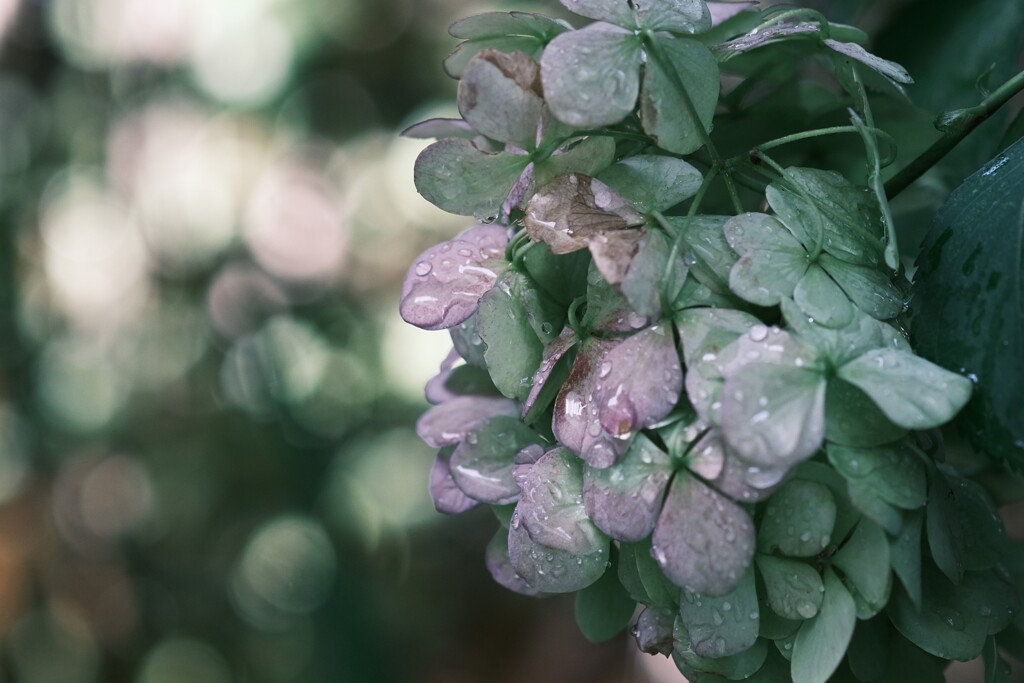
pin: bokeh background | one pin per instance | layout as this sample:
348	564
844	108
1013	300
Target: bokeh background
208	472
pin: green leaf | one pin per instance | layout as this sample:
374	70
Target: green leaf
624	499
865	499
987	544
706	331
905	552
612	11
966	307
705	249
588	156
655	583
871	648
499	96
772	260
651	182
893	473
702	540
774	415
482	464
794	589
954	620
678	16
551	507
853	419
725	625
892	253
645	279
820	297
663	112
912	392
733	667
591	76
512	348
550	376
798	520
847	515
455	175
821	642
563	278
603	609
628	575
864	560
654	629
945	530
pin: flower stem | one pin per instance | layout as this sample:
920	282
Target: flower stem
832	130
955	126
655	51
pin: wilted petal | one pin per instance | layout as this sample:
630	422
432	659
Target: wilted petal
435	390
551	570
654	630
551	507
891	70
607	308
500	566
639	381
574	208
448	423
613	252
703	541
500	96
624	499
766	36
448	498
444	284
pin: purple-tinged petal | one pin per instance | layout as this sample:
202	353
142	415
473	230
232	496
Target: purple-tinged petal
551	570
639	381
439	128
653	630
703	541
435	389
500	567
607	308
573	402
482	465
551	507
448	498
624	499
500	96
574	208
443	286
613	252
448	423
710	459
553	353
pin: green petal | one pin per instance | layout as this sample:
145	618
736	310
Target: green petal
772	260
678	16
864	561
604	608
706	250
893	473
588	156
551	507
820	297
774	415
868	287
912	392
482	464
853	419
612	11
652	182
798	521
793	588
663	112
821	643
550	570
591	76
725	625
513	350
454	175
891	70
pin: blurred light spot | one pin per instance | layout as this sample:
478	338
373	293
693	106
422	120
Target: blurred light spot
364	26
293	227
188	176
101	498
342	397
411	355
8	12
95	262
281	655
240	55
241	298
81	388
287	568
184	660
376	486
167	342
15	465
51	645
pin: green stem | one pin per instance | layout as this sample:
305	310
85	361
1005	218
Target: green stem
832	130
677	237
625	135
956	125
655	51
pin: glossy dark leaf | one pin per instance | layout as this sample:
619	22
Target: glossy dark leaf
652	182
457	176
448	423
547	381
444	284
663	113
703	541
905	551
864	561
654	630
624	499
966	307
603	609
724	625
945	531
794	589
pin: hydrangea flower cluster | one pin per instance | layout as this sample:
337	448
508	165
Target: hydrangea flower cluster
711	427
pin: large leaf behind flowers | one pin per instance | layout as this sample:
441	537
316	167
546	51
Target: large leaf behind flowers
969	301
